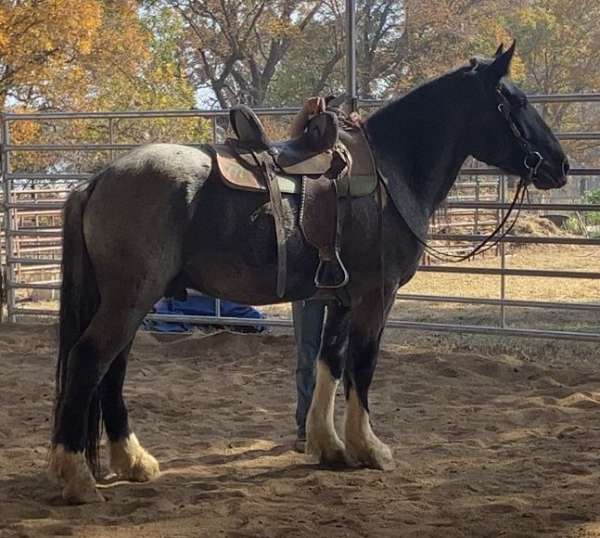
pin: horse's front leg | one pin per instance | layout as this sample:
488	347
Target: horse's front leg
322	439
363	447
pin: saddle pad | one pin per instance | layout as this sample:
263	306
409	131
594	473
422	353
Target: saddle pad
237	176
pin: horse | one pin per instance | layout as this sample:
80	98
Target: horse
159	218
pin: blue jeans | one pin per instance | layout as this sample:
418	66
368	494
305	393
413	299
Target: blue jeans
308	326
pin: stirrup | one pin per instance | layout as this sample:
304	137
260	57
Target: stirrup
318	275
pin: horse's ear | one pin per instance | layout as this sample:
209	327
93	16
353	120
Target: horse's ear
501	65
499	50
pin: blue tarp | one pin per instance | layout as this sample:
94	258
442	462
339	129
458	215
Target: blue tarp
198	305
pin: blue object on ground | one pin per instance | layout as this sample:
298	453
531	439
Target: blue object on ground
198	305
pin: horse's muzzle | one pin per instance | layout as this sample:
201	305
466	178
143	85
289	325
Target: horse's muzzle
548	177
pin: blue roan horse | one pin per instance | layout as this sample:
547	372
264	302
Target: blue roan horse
161	215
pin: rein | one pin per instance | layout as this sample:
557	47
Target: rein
493	239
532	162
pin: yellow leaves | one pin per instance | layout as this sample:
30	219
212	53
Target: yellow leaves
24	132
38	39
537	18
275	27
84	55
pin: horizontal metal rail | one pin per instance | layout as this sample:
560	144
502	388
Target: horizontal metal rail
495	331
122	147
392	323
488	271
41	205
574	173
475	204
509	272
141	114
33	261
74	147
524	206
58	176
33	285
542	98
547	305
285	111
35	232
542	240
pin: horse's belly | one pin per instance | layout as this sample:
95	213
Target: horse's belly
232	251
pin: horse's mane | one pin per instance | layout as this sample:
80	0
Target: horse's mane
424	91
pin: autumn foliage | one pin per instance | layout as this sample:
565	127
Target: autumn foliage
178	54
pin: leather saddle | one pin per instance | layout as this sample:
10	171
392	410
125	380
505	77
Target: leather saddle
310	153
314	165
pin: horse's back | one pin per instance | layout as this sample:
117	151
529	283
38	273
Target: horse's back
148	180
174	161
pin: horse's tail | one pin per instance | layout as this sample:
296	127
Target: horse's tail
79	300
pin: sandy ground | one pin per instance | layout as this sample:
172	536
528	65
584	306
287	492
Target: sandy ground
485	445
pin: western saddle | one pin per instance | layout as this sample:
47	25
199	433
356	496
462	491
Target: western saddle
315	166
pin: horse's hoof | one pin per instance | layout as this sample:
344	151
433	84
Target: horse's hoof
144	469
376	455
71	469
330	454
334	460
130	461
82	494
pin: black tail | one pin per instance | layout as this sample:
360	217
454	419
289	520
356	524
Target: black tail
79	300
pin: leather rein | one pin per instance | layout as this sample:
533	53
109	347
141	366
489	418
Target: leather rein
532	162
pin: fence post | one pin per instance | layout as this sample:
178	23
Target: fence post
8	220
2	223
502	247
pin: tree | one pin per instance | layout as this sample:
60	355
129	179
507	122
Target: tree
234	47
38	39
126	59
90	55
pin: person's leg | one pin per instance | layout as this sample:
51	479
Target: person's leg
308	326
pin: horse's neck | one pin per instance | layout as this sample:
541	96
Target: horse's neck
426	146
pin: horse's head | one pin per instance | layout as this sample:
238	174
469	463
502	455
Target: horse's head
506	131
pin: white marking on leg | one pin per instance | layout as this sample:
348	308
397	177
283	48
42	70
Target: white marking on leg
131	461
362	445
72	469
322	439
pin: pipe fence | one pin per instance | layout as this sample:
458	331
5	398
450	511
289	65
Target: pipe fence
31	224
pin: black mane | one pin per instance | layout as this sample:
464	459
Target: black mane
405	135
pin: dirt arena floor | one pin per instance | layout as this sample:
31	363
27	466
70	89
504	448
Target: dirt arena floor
486	445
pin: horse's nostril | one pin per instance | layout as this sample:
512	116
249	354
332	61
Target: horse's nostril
565	167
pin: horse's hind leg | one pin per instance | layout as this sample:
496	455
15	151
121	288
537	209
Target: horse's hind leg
128	459
322	439
363	447
109	333
111	329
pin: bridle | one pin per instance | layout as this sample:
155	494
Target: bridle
533	159
532	162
